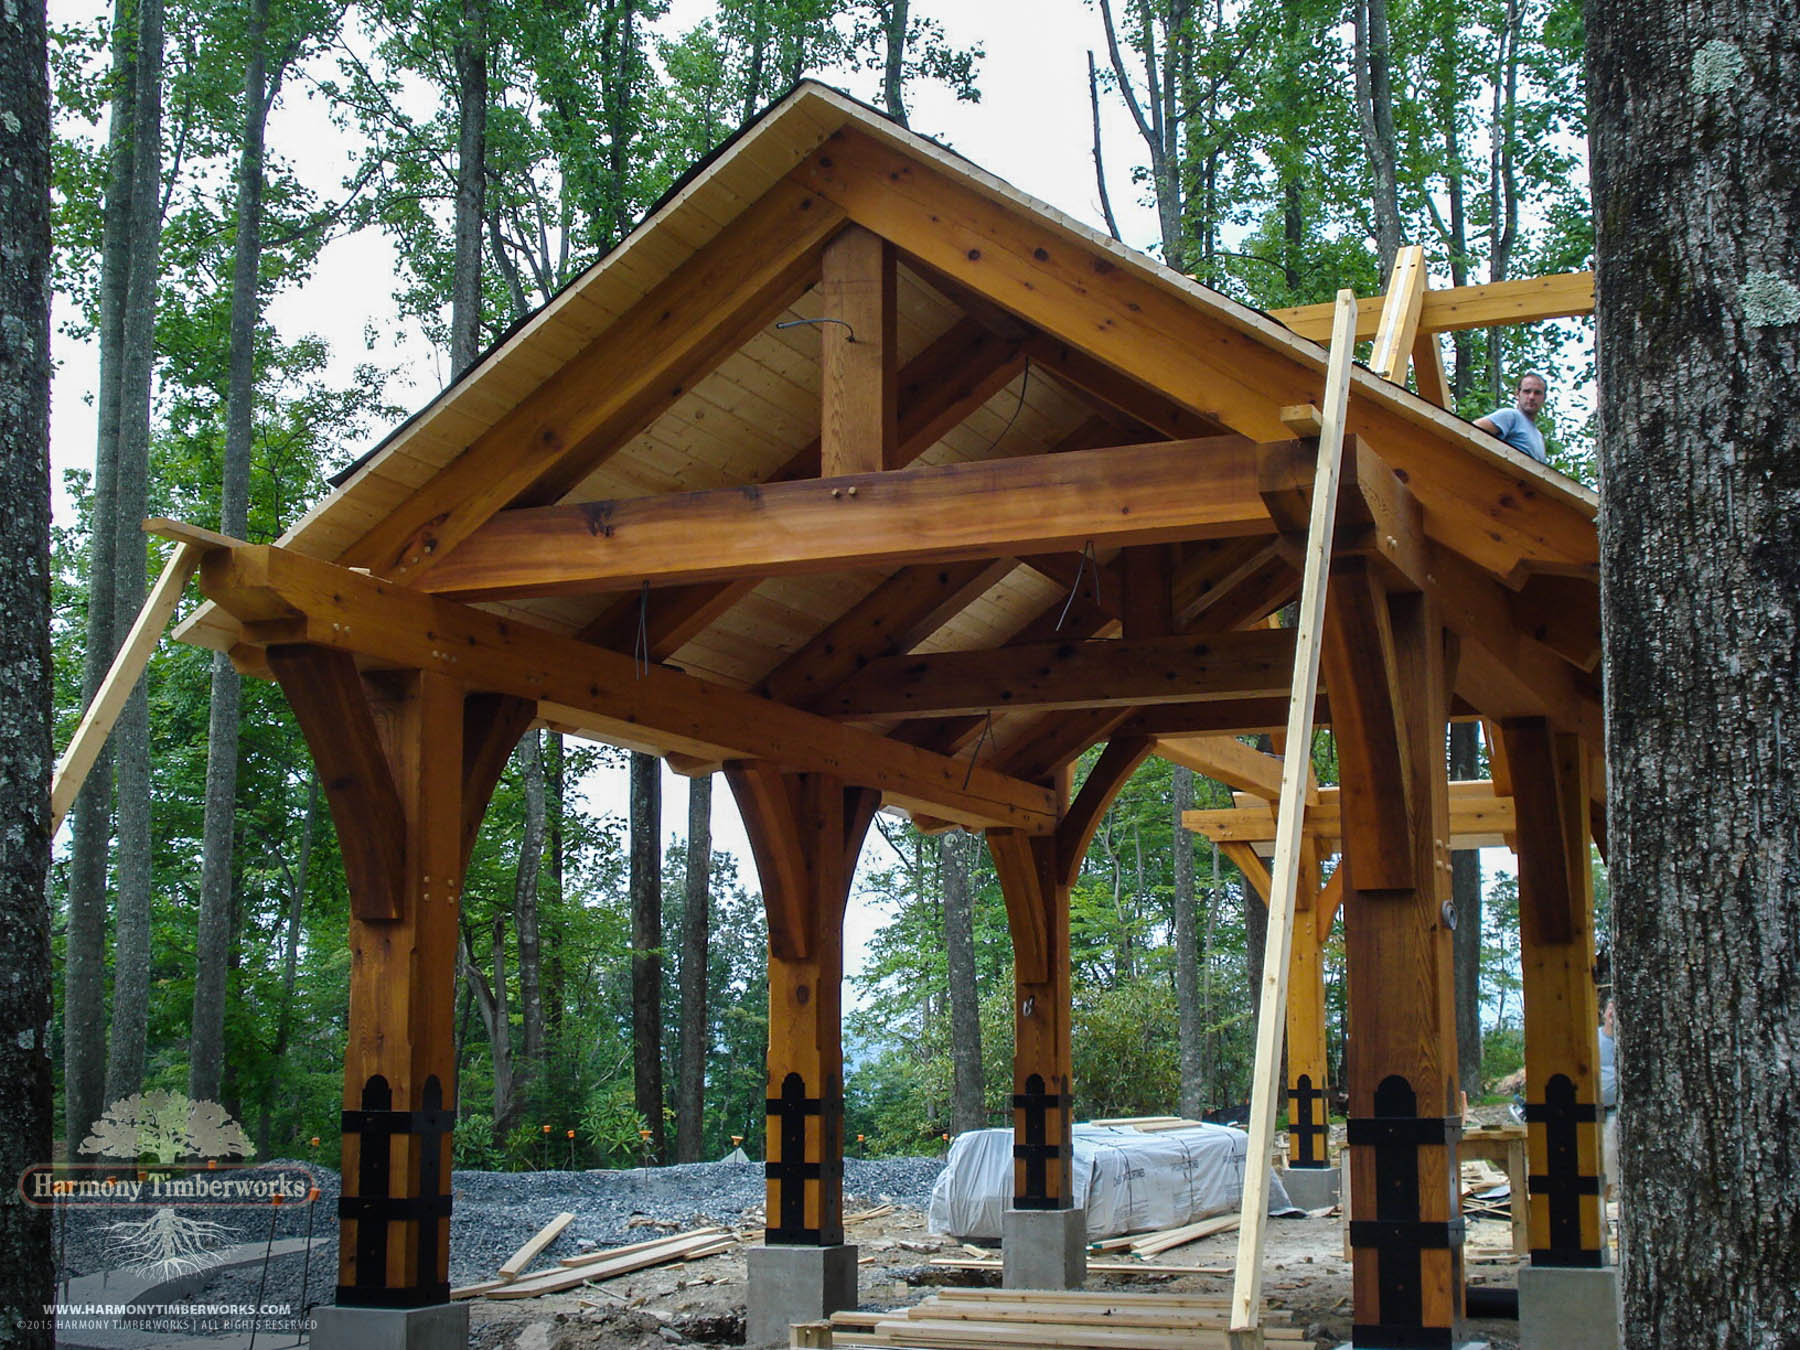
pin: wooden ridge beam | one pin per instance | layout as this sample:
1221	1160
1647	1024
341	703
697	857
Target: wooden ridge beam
1237	368
858	373
996	508
639	366
285	597
1108	673
1562	295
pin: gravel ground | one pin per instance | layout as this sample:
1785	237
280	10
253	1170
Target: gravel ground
494	1213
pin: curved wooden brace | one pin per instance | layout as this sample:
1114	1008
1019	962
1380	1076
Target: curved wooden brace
766	800
1025	864
1075	831
492	726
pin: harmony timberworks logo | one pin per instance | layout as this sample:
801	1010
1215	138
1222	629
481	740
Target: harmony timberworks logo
166	1151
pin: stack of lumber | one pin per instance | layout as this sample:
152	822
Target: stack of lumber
986	1319
591	1267
1167	1239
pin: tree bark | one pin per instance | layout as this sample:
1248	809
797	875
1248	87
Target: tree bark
1190	1031
290	969
131	734
893	81
1375	108
646	947
696	916
471	186
206	1047
27	1271
1465	896
1694	135
525	913
496	1019
956	852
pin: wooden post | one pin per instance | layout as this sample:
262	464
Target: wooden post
1556	930
1386	668
805	831
858	379
406	763
1308	1072
1037	908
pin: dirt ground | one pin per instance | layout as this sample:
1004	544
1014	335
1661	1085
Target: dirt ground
1306	1284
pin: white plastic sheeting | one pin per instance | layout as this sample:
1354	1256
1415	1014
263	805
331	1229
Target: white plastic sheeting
1129	1181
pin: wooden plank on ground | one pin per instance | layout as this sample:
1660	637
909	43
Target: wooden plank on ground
516	1264
1246	1310
617	1261
1094	1267
1170	1238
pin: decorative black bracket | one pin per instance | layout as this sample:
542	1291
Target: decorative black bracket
792	1171
1564	1183
374	1206
1037	1152
1310	1130
1397	1236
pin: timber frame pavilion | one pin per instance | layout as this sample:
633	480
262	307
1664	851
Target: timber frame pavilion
859	476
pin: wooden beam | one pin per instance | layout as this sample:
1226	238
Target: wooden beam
1022	881
1246	1292
1226	717
1478	818
1228	760
766	799
1563	295
1231	365
893	618
1001	508
1400	310
640	365
127	669
858	384
332	708
1368	704
1072	675
1111	772
1256	873
304	600
492	725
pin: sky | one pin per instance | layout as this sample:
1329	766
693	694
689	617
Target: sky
1031	127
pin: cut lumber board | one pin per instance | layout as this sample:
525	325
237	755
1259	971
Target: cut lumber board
478	1289
516	1264
605	1253
952	1335
1104	1298
1094	1267
615	1261
1171	1238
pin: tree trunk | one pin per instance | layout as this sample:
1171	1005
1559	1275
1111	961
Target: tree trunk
496	1018
1695	132
646	946
131	734
893	81
1189	1028
554	971
696	916
27	1272
1375	107
206	1048
471	186
84	974
525	913
1465	895
955	860
284	1022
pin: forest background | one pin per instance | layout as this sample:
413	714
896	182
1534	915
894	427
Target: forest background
612	998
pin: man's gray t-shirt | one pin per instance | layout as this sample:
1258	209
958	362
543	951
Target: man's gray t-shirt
1520	432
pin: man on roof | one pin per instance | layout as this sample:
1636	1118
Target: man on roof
1517	425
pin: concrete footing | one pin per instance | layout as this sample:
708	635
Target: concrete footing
441	1326
796	1284
1562	1306
1312	1187
1043	1248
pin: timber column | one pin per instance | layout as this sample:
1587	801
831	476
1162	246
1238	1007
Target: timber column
407	764
805	831
1384	661
1311	1180
1569	1294
1044	1242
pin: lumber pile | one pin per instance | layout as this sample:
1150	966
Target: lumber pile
592	1267
983	1319
1094	1267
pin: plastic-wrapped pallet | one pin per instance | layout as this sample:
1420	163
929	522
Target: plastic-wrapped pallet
1129	1181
